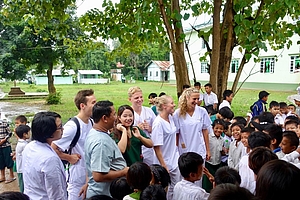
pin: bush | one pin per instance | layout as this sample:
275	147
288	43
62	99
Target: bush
54	98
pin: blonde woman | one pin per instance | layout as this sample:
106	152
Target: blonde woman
143	118
164	140
193	123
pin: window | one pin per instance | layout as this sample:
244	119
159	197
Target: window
295	63
234	66
150	73
204	67
156	73
92	76
267	65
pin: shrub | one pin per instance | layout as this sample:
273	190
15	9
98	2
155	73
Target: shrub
54	98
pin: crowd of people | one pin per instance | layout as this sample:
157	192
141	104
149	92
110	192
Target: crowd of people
199	150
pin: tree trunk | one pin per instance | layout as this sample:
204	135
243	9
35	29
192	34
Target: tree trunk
214	63
51	88
238	74
177	45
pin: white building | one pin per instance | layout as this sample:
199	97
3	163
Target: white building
158	70
90	77
58	76
279	66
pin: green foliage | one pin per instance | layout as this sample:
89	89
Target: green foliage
54	98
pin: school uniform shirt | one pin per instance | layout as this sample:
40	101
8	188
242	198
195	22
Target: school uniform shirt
43	172
278	119
19	149
291	157
147	115
226	144
215	146
190	131
75	176
189	191
164	136
210	99
247	175
224	103
235	154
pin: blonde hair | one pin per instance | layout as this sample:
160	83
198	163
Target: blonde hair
160	101
182	103
133	90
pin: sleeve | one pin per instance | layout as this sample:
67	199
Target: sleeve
206	120
291	156
69	133
216	99
230	161
176	121
255	111
54	178
157	134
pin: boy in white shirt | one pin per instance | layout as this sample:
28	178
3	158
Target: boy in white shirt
191	168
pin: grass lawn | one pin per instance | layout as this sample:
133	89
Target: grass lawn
117	93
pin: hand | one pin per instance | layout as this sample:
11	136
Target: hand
125	170
147	126
208	155
83	191
120	127
208	174
136	132
2	141
75	158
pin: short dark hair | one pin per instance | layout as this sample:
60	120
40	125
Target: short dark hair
292	137
273	104
292	105
226	113
161	175
139	175
230	191
258	138
282	104
197	84
100	109
275	132
227	93
248	129
119	188
227	174
208	85
237	124
218	121
259	156
291	121
153	192
186	86
241	120
81	97
22	119
11	195
189	163
44	125
263	94
161	94
100	197
292	117
152	95
20	130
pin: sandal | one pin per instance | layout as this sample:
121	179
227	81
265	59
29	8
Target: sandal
10	180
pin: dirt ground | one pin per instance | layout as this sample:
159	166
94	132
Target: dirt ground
13	186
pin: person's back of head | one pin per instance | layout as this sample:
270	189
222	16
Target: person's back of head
11	195
227	174
189	163
160	175
226	113
258	157
275	132
44	125
258	138
100	197
266	117
162	94
139	175
20	130
119	188
228	191
277	180
152	95
153	192
81	97
240	119
185	87
100	109
227	93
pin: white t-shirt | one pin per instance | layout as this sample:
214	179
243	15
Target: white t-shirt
164	135
77	177
247	175
19	149
190	131
235	154
189	191
224	103
43	172
148	115
210	99
215	146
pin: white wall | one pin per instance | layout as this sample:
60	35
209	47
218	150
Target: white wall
153	73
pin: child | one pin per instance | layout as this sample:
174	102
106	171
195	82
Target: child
227	174
23	134
216	142
151	97
259	106
21	119
292	108
239	119
119	188
230	191
153	192
289	143
138	177
160	176
5	151
284	109
292	125
227	99
191	168
236	146
227	140
275	132
274	108
245	133
210	98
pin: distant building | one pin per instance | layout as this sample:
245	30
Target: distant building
91	77
158	70
58	76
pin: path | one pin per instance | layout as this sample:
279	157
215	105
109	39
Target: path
13	186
